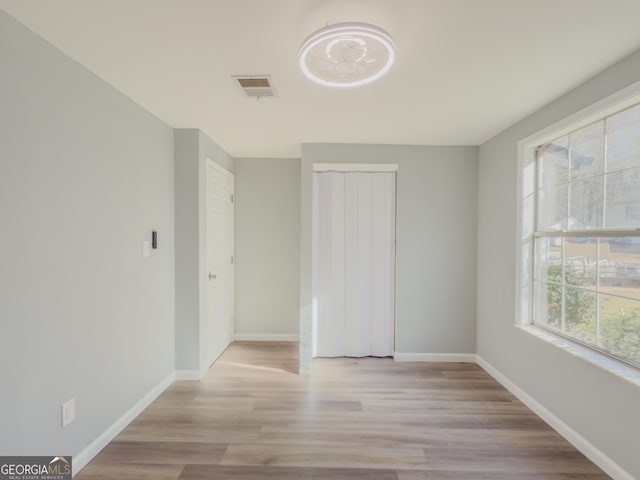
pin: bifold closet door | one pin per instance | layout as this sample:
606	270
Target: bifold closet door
355	263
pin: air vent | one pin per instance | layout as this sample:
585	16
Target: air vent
255	86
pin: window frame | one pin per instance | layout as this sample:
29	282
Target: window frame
527	210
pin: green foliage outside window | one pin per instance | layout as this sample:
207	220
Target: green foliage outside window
620	334
619	330
579	308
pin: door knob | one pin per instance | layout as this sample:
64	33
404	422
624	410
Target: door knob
212	276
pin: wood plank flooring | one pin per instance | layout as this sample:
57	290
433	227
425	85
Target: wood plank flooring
252	418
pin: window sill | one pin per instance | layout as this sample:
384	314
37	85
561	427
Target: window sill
618	369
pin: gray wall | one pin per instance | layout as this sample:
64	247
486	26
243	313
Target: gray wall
85	176
191	150
436	242
267	245
599	406
187	231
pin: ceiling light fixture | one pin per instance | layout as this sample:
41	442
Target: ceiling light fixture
347	55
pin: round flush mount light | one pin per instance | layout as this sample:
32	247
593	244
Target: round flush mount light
347	55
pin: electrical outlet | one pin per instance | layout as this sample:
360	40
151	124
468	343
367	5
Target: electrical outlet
68	412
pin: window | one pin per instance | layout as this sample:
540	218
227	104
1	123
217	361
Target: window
582	196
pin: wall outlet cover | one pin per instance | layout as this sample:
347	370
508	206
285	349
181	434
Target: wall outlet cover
68	412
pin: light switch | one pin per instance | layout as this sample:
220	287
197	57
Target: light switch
145	248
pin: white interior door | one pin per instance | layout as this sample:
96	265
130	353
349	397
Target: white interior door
220	305
354	263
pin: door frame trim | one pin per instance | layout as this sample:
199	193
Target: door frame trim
355	167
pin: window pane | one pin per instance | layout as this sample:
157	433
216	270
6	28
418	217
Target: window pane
623	139
589	288
548	305
580	314
620	327
587	151
619	270
622	209
585	205
549	257
554	162
552	208
580	258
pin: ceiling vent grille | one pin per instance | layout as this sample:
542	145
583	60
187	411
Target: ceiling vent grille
255	86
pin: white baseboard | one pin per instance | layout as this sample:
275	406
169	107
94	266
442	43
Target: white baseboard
87	454
587	448
434	357
266	337
203	371
188	375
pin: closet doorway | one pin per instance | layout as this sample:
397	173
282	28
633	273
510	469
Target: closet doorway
354	260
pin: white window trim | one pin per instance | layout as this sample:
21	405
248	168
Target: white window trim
620	100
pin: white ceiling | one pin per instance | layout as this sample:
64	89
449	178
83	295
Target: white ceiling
466	69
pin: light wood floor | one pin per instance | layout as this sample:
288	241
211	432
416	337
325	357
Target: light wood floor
253	418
